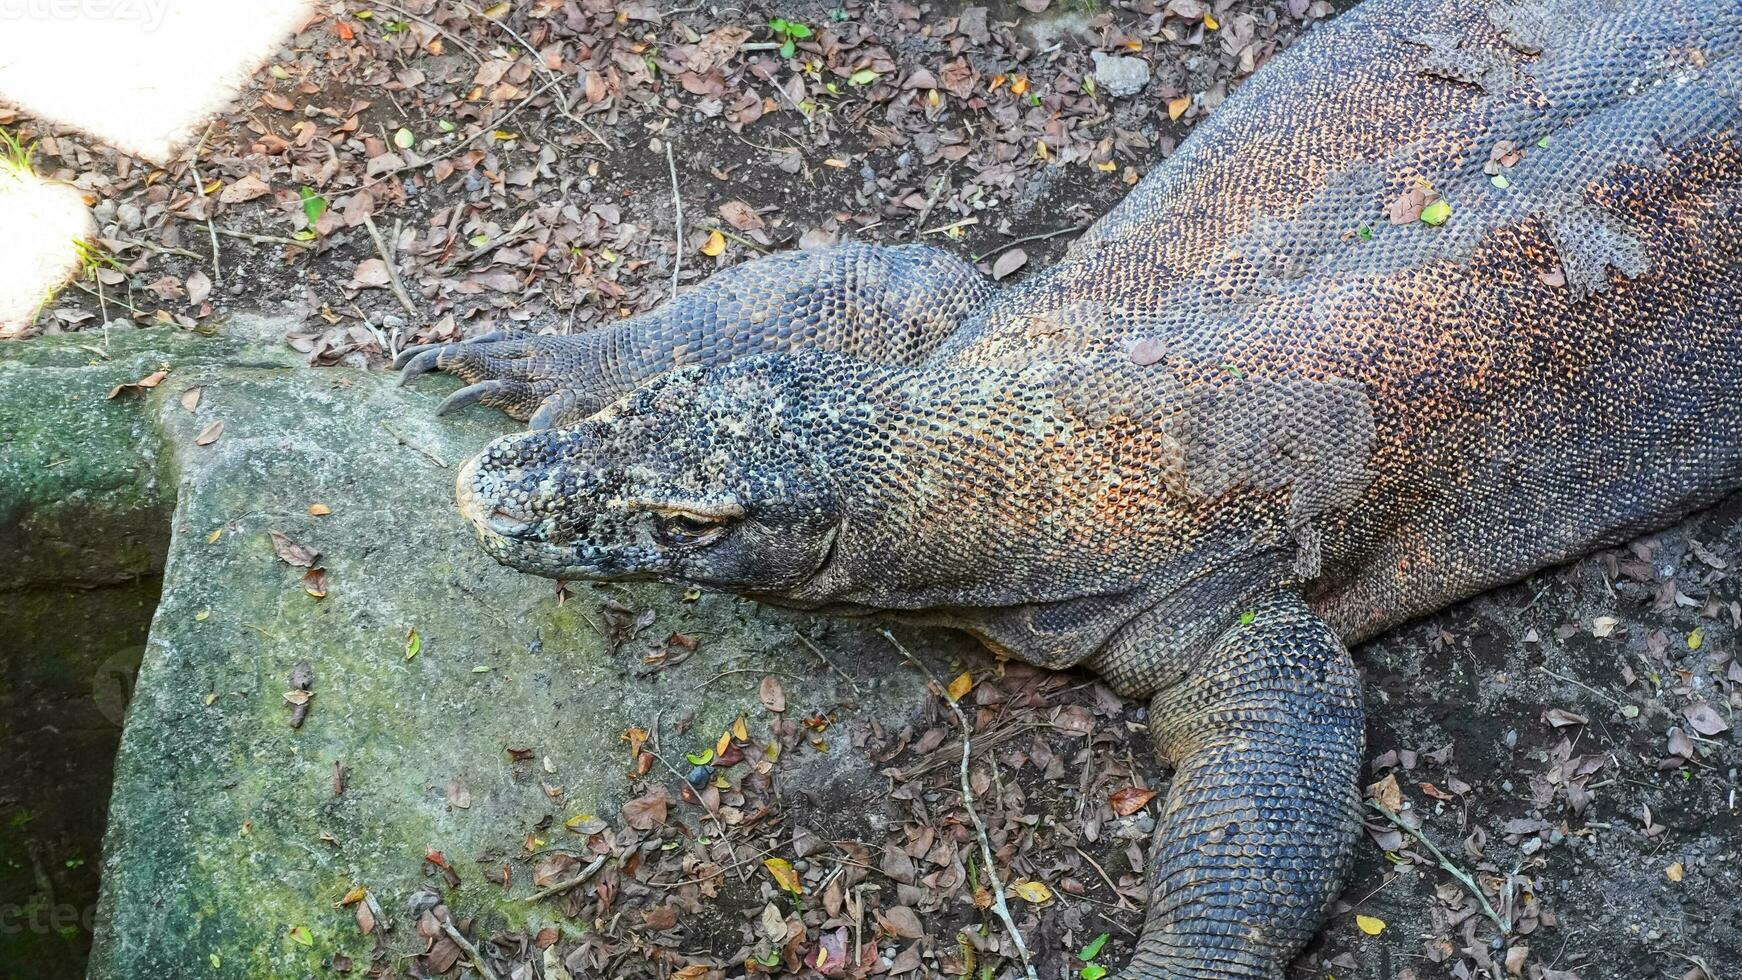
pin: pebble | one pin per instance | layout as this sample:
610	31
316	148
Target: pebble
1120	75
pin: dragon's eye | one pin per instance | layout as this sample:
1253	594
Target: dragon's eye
688	529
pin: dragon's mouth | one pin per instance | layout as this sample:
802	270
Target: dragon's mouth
525	541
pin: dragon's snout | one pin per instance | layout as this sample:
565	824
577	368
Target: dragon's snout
489	500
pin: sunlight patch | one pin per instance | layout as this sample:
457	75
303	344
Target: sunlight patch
142	75
41	226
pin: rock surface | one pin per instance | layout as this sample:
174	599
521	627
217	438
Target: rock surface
230	839
1120	75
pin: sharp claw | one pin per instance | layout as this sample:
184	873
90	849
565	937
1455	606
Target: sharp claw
470	394
405	356
410	352
423	362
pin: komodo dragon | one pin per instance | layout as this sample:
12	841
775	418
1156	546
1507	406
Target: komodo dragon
1246	422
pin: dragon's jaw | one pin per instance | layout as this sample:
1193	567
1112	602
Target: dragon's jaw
527	543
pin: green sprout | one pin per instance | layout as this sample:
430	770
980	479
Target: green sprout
790	32
16	155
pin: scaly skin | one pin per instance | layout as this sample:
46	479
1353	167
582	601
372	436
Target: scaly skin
1245	422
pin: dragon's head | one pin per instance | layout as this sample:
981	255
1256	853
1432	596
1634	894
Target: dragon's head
705	476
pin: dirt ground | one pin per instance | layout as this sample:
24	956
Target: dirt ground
1565	742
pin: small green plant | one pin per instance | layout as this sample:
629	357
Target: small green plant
790	32
1092	970
15	154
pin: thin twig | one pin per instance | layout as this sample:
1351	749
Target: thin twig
200	187
538	61
494	125
999	903
563	886
720	825
740	239
720	871
736	670
259	239
1043	236
677	203
1582	684
1117	895
414	447
1446	865
470	950
825	659
81	287
160	249
944	229
392	269
937	191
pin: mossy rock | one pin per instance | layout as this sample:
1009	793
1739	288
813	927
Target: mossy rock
230	840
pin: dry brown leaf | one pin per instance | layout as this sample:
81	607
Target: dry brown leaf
1703	718
246	189
292	553
1387	793
372	273
773	696
1131	799
646	811
210	433
741	216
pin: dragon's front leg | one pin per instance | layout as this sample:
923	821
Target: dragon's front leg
881	304
1264	732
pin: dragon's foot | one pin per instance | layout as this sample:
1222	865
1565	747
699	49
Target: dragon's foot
533	378
1260	819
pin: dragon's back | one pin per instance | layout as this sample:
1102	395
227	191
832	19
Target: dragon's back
1452	287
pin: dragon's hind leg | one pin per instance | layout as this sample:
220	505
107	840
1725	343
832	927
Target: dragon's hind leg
881	304
1265	735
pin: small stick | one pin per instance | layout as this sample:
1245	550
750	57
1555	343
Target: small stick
1582	684
471	951
931	202
1123	904
1446	864
200	187
160	249
747	243
392	270
260	239
999	902
759	855
1029	238
492	126
414	447
825	659
538	61
736	670
81	287
676	202
563	886
952	226
720	825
